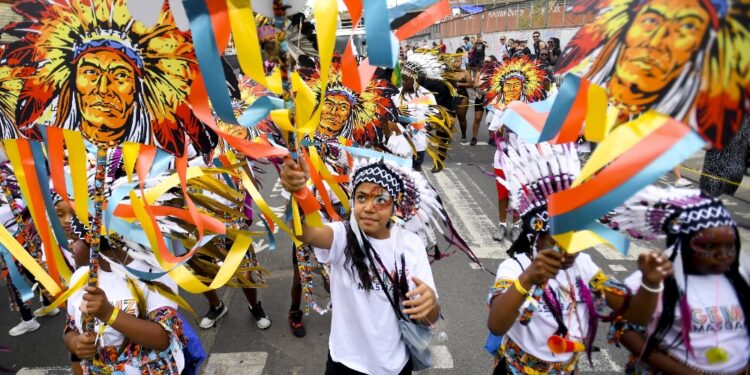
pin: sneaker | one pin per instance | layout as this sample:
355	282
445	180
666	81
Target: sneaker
502	230
213	315
261	319
24	327
295	323
515	231
436	169
683	182
473	142
491	142
40	312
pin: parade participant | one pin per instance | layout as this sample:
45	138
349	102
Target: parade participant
345	114
701	323
519	79
426	71
137	329
478	51
461	81
545	303
410	91
358	342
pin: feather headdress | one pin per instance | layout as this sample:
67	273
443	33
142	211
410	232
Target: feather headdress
533	80
12	76
56	37
421	64
367	111
534	172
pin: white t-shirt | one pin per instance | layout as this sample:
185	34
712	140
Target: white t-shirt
365	336
399	146
533	337
717	319
119	295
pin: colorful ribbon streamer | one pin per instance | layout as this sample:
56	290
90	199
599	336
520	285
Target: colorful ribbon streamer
635	155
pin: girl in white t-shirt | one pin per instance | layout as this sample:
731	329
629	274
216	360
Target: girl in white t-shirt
365	335
137	329
542	302
709	285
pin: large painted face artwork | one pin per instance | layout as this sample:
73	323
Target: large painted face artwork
12	76
688	59
334	114
346	113
100	72
249	92
517	79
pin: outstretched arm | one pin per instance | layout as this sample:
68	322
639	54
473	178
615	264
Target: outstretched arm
293	179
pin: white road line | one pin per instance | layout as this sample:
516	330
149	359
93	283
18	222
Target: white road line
44	371
602	362
459	193
612	254
617	268
441	357
245	363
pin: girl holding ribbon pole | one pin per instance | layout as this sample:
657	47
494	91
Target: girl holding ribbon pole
543	301
365	329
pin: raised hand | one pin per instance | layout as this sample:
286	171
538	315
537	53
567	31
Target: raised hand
655	267
293	176
545	266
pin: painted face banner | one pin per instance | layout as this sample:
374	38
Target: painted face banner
100	72
346	113
687	59
518	79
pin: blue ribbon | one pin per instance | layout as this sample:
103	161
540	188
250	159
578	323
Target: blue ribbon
40	165
209	60
18	281
409	6
584	216
271	237
384	52
523	128
260	110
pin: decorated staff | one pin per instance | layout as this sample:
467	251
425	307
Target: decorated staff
703	242
519	79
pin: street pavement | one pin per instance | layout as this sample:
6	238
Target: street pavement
236	346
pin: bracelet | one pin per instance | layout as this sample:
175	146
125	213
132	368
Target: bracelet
112	317
520	288
653	290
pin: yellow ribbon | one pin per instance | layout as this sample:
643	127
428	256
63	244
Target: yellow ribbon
78	162
28	262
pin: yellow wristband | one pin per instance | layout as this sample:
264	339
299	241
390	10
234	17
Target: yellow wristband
520	288
112	317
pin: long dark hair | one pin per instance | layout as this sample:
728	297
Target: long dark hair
671	295
355	258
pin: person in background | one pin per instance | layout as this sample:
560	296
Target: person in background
546	65
553	46
504	51
477	56
442	46
539	45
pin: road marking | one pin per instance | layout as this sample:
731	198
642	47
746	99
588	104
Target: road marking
602	362
441	357
612	254
44	371
479	143
458	193
618	268
245	363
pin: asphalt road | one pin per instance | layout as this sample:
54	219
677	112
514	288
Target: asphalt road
238	347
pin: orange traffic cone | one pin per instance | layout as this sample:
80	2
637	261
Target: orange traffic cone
559	345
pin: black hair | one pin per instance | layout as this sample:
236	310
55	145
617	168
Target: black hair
459	49
355	258
671	294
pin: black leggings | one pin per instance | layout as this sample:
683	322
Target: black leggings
335	368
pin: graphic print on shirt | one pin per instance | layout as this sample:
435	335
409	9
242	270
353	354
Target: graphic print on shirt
717	318
126	305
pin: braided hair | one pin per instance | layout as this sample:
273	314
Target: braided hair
672	295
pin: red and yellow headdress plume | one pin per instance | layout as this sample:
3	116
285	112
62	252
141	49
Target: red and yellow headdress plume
533	80
12	76
369	109
249	92
58	34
